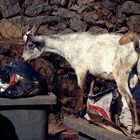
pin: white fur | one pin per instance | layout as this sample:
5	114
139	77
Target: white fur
84	51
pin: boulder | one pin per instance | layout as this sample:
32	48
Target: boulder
77	24
8	29
43	20
71	14
133	23
61	26
109	4
123	30
90	17
57	2
62	12
130	7
34	10
97	30
82	2
45	30
9	8
66	31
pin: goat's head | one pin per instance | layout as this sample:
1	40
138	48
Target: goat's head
34	44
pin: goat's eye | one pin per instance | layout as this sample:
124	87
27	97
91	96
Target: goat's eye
31	46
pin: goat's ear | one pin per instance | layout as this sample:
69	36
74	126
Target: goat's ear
34	30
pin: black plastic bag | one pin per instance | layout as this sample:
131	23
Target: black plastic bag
32	82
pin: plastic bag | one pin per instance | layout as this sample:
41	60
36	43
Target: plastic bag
19	79
106	106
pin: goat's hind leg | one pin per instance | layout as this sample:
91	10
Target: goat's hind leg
81	79
123	88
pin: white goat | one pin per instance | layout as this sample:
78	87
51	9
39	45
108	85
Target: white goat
101	55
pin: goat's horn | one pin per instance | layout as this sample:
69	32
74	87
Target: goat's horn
34	29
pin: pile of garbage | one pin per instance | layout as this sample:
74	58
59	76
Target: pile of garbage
19	79
109	110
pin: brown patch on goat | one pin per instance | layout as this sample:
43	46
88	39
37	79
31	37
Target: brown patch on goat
126	38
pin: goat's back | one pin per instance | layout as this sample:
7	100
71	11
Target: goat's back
97	53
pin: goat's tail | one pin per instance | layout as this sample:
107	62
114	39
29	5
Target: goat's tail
128	37
136	43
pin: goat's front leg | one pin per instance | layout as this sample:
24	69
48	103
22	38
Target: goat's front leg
81	79
91	88
122	83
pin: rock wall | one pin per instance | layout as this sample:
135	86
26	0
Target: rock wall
65	16
55	16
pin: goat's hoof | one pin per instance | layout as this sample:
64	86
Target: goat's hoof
136	129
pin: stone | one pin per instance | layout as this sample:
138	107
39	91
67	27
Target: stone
55	8
123	30
83	2
78	16
8	29
109	4
18	21
121	17
71	2
110	26
90	17
82	8
95	16
34	10
97	30
71	14
9	8
77	24
66	31
100	22
133	23
130	7
62	12
58	2
105	12
75	7
43	20
61	26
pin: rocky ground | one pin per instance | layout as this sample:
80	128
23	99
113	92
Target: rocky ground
55	16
